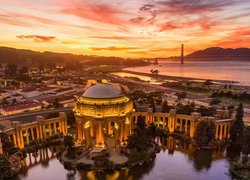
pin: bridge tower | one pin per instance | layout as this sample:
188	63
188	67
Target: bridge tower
182	53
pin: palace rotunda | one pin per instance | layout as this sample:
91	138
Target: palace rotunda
103	116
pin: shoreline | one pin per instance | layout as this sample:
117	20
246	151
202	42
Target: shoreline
162	77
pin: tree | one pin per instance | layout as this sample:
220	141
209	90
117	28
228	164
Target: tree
11	69
68	142
208	83
152	103
165	108
237	127
181	96
205	133
23	70
71	120
215	101
246	141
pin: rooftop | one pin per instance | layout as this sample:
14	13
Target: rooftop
102	91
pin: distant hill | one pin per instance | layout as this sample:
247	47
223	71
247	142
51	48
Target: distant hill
215	52
36	58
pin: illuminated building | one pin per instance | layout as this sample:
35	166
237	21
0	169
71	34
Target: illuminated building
103	112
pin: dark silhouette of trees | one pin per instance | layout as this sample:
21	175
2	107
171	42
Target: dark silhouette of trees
205	133
237	127
165	108
11	70
71	120
246	141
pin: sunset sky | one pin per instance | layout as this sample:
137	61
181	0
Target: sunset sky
127	28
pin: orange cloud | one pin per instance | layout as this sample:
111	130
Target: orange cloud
112	48
71	42
104	13
236	39
37	38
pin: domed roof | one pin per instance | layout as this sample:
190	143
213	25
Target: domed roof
102	91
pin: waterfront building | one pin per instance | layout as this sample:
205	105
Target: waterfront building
104	114
105	117
22	134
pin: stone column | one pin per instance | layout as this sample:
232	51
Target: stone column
121	132
221	127
79	131
21	139
40	132
172	120
27	136
18	140
55	128
186	125
14	139
225	131
32	133
99	136
127	128
228	134
37	132
50	129
64	120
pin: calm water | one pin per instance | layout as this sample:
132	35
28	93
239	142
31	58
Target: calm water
220	70
176	161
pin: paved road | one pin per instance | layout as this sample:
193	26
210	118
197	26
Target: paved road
31	116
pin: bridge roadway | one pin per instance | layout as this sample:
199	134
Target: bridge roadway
31	115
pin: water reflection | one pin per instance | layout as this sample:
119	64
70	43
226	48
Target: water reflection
177	160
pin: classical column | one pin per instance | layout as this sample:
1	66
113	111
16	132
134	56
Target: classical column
55	130
186	125
191	129
127	128
225	131
221	127
27	136
32	133
37	133
228	133
50	130
44	131
21	138
99	135
91	129
79	131
64	120
121	132
172	119
18	139
14	139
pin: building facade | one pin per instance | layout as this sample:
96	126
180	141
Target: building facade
104	116
22	134
103	112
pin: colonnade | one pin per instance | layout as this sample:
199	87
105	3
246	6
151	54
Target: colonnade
23	134
222	131
99	129
173	122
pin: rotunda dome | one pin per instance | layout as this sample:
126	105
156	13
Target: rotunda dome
102	91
